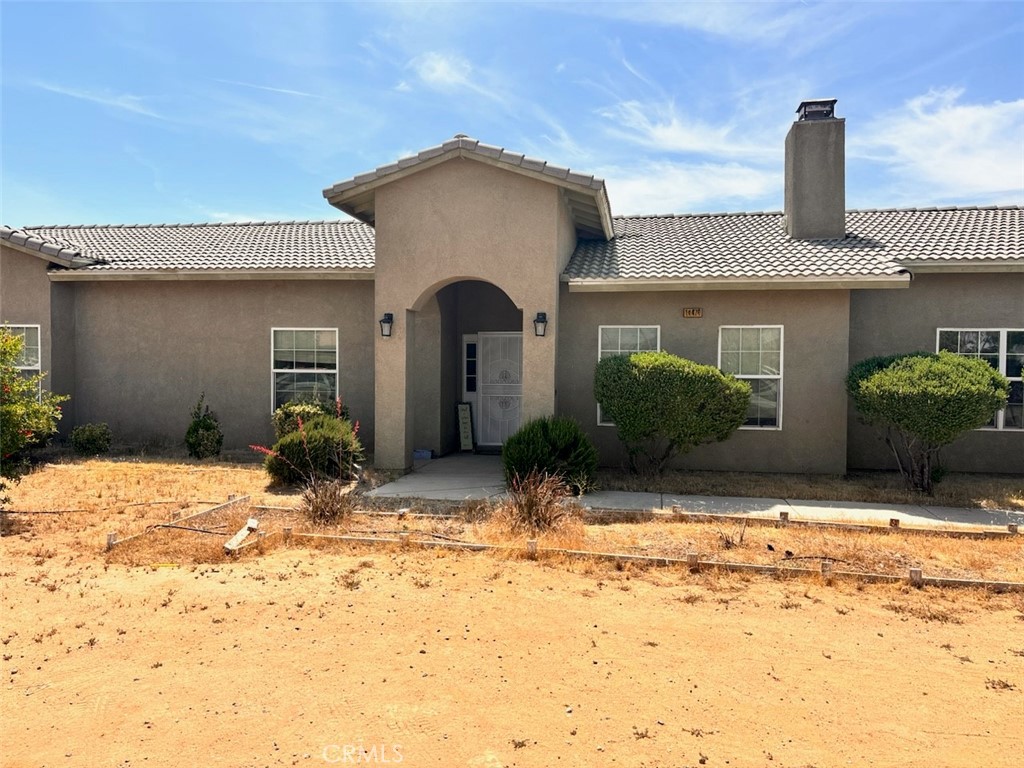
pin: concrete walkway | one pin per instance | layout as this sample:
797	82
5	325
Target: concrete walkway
464	477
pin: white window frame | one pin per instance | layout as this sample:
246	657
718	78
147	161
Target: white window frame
779	378
1000	416
30	370
600	329
275	371
467	396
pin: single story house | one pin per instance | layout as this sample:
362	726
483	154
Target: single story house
469	273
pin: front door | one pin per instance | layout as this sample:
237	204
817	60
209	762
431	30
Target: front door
499	386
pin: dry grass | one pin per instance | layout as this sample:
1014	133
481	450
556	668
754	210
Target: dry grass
129	497
955	490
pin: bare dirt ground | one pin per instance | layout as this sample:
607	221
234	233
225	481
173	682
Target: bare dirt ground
344	656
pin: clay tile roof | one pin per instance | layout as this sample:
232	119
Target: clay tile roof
56	249
755	245
353	195
278	245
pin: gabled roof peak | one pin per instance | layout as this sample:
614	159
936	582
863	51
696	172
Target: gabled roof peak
588	204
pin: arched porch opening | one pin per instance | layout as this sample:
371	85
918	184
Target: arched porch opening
468	348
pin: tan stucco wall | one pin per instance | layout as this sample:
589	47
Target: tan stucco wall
815	179
813	434
889	322
145	351
26	298
462	220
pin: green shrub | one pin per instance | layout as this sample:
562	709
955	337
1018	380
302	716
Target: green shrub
868	367
554	445
203	438
286	417
924	402
325	447
91	439
664	405
28	413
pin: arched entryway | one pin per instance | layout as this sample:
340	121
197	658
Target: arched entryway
468	349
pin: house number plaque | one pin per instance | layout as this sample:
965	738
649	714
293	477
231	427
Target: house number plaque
693	312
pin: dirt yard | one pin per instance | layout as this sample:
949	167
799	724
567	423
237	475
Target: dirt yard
343	656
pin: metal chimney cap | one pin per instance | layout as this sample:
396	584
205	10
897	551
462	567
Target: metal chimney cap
817	109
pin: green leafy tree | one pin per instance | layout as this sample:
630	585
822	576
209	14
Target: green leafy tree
924	402
28	413
664	405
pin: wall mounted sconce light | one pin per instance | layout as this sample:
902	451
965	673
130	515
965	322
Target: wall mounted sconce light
386	323
540	324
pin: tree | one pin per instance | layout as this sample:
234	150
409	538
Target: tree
28	414
924	402
664	405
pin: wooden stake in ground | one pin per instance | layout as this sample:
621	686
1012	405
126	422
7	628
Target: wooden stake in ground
235	542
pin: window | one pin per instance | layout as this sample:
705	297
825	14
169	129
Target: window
469	364
28	361
754	354
305	364
1003	349
625	340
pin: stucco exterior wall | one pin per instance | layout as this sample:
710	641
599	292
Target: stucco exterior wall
146	350
27	298
461	220
890	322
815	346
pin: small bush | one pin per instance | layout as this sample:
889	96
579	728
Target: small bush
286	417
203	438
663	405
537	504
91	439
924	402
324	447
28	413
327	501
554	445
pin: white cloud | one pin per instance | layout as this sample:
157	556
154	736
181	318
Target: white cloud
668	187
286	91
940	149
802	26
663	128
124	101
443	70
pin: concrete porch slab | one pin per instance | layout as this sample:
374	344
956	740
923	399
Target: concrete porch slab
461	477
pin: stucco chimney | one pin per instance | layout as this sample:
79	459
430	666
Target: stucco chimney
815	202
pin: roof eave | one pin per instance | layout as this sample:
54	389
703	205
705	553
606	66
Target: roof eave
63	258
106	275
357	198
839	282
964	265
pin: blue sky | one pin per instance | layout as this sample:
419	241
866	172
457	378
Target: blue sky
227	111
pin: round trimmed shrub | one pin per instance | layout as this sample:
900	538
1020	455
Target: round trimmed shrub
91	439
553	445
286	417
664	405
325	447
925	402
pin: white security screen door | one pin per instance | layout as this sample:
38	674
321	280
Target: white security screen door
499	385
